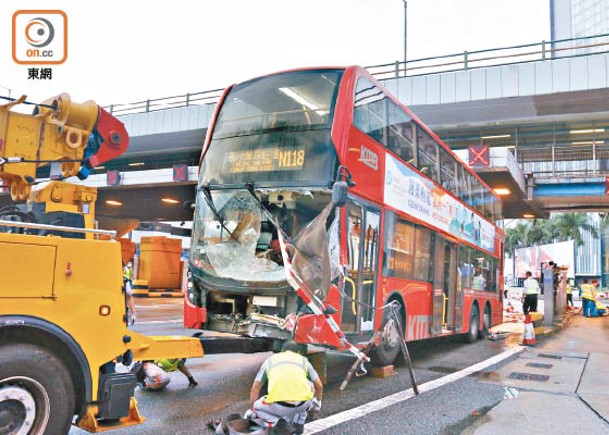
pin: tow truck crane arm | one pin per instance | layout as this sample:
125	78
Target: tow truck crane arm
57	133
63	311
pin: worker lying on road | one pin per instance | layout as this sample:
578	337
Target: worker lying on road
154	375
294	389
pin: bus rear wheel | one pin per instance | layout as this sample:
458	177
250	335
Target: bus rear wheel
36	392
474	325
486	322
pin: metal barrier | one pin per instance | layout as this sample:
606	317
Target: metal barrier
563	160
190	99
466	60
543	50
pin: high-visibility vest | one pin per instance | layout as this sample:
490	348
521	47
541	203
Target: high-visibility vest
588	291
531	287
569	289
170	364
127	273
287	376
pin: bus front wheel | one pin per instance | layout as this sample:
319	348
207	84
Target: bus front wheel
389	346
36	391
474	325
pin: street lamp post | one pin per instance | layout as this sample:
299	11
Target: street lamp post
405	34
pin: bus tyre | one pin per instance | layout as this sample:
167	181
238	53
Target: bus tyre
36	392
474	326
389	346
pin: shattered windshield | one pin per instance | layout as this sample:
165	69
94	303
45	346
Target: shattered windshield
233	238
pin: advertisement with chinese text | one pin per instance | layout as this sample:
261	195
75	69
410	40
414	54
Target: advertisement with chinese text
407	191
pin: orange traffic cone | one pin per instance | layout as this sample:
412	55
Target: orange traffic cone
528	338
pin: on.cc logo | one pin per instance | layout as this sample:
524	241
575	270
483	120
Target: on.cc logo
39	32
40	37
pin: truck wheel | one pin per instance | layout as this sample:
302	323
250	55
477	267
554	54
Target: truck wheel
474	326
36	392
389	347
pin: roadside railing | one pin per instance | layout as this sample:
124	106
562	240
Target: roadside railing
176	101
564	160
544	50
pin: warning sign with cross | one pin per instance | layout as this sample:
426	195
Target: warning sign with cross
180	172
479	155
113	178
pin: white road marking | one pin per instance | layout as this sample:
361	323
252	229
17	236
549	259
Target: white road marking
376	405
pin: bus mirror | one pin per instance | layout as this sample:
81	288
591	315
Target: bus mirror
339	193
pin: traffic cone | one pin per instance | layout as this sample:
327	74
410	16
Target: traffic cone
528	338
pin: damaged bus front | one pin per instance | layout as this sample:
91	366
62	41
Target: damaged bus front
265	193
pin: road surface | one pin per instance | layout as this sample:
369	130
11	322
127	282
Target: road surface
224	382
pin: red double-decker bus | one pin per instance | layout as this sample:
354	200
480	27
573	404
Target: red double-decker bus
419	227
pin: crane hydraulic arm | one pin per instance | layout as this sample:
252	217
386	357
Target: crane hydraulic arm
72	137
63	320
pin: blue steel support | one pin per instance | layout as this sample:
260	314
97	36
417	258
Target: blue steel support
592	188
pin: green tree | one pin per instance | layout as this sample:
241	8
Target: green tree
541	232
515	238
570	226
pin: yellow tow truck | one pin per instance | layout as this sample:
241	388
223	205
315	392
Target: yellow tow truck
63	322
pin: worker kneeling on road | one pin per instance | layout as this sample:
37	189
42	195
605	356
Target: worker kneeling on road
155	375
294	389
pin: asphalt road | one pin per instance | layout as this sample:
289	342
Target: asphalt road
224	382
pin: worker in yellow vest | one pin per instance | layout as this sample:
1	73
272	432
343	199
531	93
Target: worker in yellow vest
531	290
128	288
569	292
294	389
601	309
154	375
588	296
177	364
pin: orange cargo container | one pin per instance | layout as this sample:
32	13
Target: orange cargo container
127	249
160	263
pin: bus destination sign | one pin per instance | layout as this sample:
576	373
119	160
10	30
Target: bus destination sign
266	160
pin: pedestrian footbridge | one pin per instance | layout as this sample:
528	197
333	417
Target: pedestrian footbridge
541	110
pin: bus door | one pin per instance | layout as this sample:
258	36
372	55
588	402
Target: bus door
444	285
363	230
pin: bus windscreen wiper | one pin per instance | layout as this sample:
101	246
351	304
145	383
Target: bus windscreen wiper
210	203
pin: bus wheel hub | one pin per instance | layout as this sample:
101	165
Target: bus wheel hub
390	336
17	410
